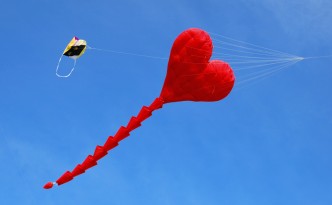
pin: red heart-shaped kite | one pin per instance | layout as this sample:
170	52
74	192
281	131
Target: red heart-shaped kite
191	76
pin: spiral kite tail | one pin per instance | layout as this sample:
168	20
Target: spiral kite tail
111	142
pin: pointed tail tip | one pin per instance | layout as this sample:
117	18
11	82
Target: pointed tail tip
48	185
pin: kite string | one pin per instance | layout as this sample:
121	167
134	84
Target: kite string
251	67
250	44
236	48
260	76
126	53
250	57
266	71
314	57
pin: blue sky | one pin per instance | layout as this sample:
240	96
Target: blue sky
267	143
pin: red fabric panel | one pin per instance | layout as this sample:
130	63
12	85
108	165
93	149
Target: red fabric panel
190	74
121	134
110	143
89	162
144	113
66	177
133	124
99	153
78	170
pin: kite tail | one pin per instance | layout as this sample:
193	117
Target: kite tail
110	143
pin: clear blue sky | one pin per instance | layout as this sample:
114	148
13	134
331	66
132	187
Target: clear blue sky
266	144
